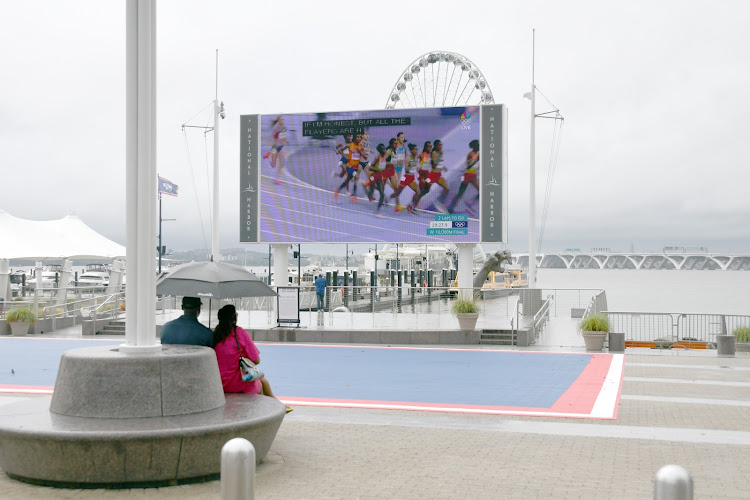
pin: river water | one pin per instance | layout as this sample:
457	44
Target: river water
668	291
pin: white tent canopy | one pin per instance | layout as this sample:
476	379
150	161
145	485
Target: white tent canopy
66	238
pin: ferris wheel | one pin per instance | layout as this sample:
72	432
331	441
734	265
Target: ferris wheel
440	79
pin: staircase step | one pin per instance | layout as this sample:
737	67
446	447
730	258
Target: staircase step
113	328
496	342
497	337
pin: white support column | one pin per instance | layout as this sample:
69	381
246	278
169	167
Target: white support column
140	160
5	294
280	265
66	272
465	270
115	277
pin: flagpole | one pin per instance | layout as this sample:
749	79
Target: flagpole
532	180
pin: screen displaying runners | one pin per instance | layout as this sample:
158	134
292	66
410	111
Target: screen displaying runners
400	176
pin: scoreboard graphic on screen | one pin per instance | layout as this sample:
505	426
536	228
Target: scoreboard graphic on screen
427	175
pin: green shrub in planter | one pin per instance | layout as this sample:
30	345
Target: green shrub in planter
595	323
742	334
464	306
20	314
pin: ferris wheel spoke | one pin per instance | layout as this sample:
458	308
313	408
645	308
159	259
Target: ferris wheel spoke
463	91
434	82
447	88
458	86
470	94
421	92
416	105
406	96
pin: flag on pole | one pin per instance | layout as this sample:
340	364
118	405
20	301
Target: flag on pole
167	187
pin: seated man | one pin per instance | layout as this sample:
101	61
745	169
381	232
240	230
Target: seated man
186	329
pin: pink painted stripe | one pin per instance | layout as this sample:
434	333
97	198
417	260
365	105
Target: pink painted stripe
29	338
416	405
581	395
26	389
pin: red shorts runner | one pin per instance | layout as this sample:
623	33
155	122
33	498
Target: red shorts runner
468	177
408	179
389	171
434	177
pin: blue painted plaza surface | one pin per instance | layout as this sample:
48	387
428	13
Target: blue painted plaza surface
459	377
35	361
453	377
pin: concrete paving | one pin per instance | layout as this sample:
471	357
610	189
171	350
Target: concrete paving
690	408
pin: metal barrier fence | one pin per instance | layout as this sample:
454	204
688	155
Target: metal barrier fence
417	307
674	327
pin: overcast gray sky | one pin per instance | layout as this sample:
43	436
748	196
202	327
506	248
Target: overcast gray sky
654	151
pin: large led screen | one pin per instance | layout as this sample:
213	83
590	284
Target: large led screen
431	175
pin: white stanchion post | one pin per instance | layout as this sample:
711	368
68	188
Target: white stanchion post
238	470
281	265
673	482
38	270
465	270
5	293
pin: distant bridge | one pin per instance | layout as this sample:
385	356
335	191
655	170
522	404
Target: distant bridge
614	260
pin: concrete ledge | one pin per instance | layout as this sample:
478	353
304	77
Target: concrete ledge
42	447
124	420
524	338
46	325
101	382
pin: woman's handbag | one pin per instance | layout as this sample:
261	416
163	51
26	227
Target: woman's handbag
249	370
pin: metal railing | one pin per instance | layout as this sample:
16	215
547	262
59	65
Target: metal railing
514	322
674	327
49	302
541	318
597	304
110	308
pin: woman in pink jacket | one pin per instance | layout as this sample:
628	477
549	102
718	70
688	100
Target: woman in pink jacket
227	337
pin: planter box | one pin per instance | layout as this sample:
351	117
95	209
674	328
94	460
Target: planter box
20	328
725	345
467	321
4	327
739	346
594	340
616	342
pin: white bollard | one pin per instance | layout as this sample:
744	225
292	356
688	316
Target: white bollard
673	482
238	470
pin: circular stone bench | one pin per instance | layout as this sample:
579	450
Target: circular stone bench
118	420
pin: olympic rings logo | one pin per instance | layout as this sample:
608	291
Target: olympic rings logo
460	223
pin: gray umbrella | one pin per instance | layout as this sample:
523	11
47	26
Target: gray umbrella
211	280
